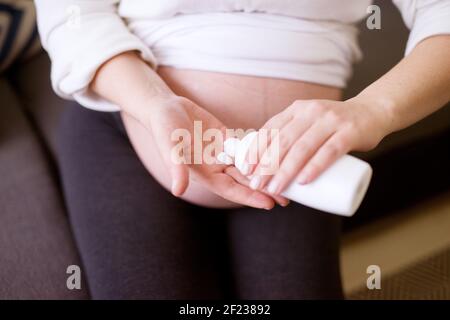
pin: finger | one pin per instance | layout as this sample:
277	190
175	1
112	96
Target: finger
176	157
236	175
176	161
178	172
265	134
225	186
298	155
255	150
225	159
335	147
278	149
180	179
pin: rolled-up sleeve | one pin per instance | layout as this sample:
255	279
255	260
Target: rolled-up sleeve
424	18
80	35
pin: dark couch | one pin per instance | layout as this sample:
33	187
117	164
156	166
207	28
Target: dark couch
36	244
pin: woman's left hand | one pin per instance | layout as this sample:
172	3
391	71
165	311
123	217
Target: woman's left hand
311	135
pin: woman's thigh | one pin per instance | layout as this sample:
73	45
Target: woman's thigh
135	239
289	253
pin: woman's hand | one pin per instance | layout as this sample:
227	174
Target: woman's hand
142	95
165	115
311	135
315	133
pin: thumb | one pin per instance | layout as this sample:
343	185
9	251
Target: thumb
173	152
177	165
180	179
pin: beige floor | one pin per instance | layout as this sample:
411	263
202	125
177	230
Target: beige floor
396	242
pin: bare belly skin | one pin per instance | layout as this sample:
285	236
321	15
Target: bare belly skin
238	101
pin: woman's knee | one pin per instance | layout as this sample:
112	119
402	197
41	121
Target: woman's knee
290	253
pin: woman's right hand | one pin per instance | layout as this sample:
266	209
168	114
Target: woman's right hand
168	113
130	83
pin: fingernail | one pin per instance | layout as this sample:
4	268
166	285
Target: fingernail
173	189
285	204
255	182
223	158
245	169
303	178
273	186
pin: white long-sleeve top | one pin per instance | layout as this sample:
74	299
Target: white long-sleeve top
313	41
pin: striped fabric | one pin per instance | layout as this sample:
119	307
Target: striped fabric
18	32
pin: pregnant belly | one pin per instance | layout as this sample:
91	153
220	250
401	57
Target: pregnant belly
240	102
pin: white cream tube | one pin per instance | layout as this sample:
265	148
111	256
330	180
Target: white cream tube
340	189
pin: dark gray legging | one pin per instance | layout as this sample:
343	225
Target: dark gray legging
138	241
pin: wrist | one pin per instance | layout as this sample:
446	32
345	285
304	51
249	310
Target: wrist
145	107
381	108
127	81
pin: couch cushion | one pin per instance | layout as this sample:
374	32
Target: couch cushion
31	81
35	240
